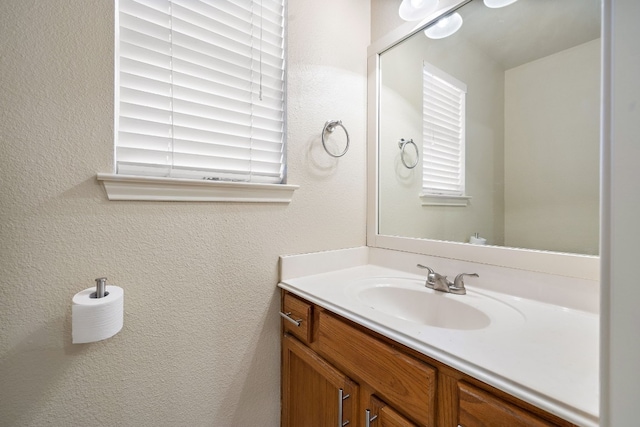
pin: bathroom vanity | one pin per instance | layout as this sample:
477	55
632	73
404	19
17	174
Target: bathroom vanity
365	342
381	379
356	350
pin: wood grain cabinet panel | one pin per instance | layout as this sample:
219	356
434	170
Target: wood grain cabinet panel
404	382
311	389
481	409
383	415
301	311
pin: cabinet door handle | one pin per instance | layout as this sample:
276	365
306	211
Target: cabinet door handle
286	316
341	398
368	418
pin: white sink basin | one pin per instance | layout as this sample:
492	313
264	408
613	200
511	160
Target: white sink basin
410	300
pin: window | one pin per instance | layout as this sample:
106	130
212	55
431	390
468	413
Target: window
200	90
443	134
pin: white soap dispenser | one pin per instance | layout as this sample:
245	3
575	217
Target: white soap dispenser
477	240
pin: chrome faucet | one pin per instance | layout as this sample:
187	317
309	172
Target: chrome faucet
440	283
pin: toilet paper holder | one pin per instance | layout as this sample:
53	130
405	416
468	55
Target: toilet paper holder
101	288
97	314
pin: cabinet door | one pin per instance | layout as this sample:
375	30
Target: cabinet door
406	383
383	415
314	393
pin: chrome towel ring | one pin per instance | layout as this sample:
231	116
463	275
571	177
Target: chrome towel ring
330	127
403	145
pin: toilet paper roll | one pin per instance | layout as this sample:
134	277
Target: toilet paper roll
477	240
95	319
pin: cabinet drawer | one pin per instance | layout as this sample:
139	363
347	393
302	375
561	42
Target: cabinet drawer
404	382
479	408
301	312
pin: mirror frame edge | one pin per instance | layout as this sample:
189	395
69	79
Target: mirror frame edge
556	263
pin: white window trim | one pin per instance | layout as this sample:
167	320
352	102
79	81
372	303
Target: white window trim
120	187
442	200
145	188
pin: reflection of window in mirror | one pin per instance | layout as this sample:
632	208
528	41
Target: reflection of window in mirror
443	143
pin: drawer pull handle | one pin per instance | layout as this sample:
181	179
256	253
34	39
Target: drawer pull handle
341	398
368	418
286	316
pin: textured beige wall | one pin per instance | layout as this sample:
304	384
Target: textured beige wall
200	344
384	17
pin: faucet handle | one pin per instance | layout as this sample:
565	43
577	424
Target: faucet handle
431	276
427	268
459	280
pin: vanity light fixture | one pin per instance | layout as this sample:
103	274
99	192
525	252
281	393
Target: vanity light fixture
494	4
413	10
445	26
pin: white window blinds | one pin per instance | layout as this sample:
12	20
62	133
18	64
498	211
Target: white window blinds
443	106
200	89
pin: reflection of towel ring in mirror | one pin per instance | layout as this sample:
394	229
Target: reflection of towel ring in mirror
330	127
403	145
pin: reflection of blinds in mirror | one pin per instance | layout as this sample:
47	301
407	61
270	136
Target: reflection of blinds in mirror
443	132
200	89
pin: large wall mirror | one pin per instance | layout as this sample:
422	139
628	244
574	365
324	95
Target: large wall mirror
528	138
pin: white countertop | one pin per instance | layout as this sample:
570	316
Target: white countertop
547	355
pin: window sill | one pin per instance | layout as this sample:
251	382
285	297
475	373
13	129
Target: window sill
142	188
436	200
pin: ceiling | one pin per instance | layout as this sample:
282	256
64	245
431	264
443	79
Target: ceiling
529	29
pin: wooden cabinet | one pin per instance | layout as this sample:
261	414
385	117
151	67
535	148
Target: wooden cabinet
338	373
298	314
383	415
406	383
314	393
481	409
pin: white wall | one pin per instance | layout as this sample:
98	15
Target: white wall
551	148
384	17
200	344
620	317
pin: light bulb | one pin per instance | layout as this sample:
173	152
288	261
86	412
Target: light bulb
444	27
494	4
413	10
442	23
